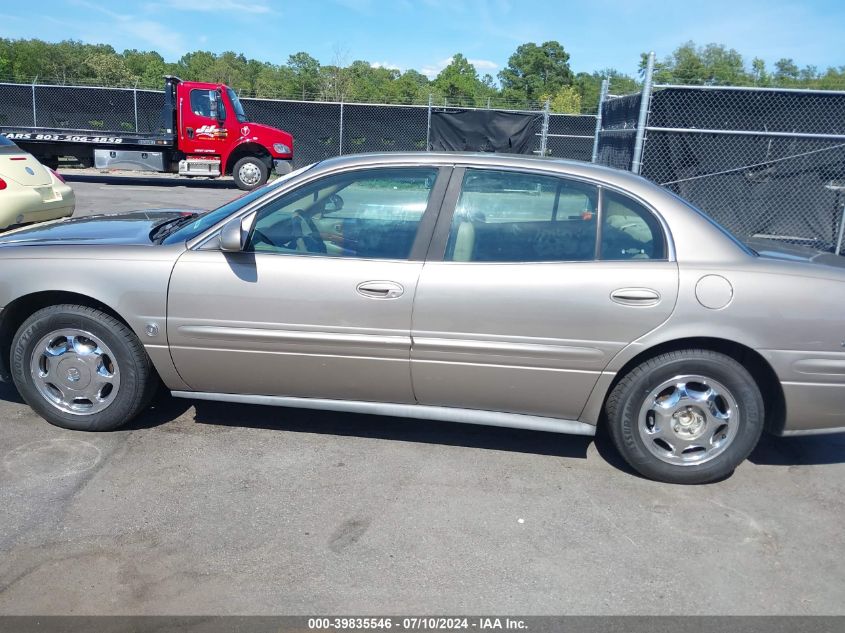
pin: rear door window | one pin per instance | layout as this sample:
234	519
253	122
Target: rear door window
629	230
505	216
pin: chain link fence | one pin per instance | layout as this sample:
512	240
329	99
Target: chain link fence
768	164
321	129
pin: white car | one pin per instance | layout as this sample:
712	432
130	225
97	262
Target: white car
29	191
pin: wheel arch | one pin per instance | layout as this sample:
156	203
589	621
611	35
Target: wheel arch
759	368
19	310
247	149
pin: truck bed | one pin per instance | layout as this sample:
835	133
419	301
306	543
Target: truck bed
99	138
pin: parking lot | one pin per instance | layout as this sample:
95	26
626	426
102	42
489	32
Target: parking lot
207	508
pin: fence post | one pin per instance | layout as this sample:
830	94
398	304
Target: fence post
340	139
34	116
428	126
645	104
841	228
602	97
544	134
135	99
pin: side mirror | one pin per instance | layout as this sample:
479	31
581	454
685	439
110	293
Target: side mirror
333	203
233	236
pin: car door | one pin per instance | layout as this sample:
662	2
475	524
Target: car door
303	312
533	283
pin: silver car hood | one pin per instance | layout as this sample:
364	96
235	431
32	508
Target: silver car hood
124	228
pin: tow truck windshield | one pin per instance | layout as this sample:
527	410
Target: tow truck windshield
236	104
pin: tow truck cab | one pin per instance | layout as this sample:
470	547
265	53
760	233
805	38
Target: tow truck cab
215	138
203	132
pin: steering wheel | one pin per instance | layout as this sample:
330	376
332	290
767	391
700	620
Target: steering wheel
312	241
298	233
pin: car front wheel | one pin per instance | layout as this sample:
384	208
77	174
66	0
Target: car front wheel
80	368
688	417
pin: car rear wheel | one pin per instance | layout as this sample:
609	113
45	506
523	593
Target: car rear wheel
687	417
250	172
80	368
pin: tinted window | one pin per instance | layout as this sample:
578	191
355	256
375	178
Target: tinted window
4	141
506	216
201	102
629	230
370	214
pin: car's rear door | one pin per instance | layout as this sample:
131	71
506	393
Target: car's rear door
303	312
518	309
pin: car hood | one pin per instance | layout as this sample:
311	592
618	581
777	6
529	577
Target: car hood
124	228
789	252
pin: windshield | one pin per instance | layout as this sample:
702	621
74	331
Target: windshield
4	141
206	220
236	104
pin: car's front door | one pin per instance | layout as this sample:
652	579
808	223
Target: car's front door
307	310
525	309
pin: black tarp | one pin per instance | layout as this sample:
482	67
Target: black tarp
484	131
619	124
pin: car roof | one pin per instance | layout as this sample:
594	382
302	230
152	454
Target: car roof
583	169
600	174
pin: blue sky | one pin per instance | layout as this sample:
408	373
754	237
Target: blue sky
424	34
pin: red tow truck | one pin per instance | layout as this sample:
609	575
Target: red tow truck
204	132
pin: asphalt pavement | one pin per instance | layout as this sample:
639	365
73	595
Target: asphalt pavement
207	508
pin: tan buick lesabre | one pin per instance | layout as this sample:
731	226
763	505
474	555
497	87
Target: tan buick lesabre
508	291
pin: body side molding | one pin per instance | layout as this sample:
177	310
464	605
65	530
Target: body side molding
419	411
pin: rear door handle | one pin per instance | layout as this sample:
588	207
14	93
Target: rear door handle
380	289
635	296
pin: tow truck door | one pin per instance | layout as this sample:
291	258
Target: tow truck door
203	120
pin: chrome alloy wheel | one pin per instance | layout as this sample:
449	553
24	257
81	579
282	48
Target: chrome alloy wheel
75	372
249	174
688	420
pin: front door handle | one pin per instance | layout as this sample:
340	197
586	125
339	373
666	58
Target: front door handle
380	289
635	296
190	132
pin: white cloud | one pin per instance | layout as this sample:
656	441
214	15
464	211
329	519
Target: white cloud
387	65
483	64
161	37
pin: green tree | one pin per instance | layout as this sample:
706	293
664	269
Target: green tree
459	82
567	100
535	70
786	72
306	74
146	67
759	75
412	87
196	66
723	66
273	81
109	70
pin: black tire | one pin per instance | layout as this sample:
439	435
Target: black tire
263	170
627	399
138	381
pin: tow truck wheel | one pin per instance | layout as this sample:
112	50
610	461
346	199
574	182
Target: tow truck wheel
250	172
